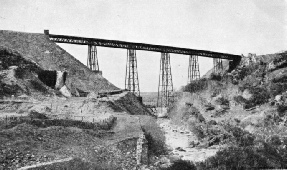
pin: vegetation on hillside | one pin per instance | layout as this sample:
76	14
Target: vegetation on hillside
259	142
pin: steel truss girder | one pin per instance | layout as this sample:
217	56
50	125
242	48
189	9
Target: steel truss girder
193	69
92	60
131	80
139	46
165	87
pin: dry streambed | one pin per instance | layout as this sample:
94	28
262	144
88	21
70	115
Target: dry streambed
179	140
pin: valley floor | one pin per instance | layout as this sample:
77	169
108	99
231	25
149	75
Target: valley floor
178	139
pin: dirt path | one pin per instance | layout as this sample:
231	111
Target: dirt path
177	137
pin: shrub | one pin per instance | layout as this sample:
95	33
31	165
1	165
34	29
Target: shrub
198	129
235	158
181	165
154	135
241	137
247	153
222	101
215	76
239	99
196	86
260	96
247	70
281	109
277	88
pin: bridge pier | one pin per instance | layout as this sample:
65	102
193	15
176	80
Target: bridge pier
131	80
165	87
193	68
217	65
92	61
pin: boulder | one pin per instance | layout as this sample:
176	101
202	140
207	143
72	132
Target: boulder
278	98
162	113
65	92
254	120
246	94
250	128
40	109
39	112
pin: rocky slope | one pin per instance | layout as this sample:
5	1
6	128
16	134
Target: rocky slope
244	110
49	56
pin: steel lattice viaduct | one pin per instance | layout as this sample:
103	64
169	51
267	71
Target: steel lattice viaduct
165	87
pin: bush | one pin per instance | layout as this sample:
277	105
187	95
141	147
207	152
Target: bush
277	88
181	165
260	96
247	70
154	135
198	129
241	137
281	109
196	86
239	99
222	101
248	153
215	76
235	158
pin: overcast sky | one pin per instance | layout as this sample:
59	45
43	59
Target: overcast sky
231	26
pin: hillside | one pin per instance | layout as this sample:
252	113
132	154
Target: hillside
49	56
243	112
41	128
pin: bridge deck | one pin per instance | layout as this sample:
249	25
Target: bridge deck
138	46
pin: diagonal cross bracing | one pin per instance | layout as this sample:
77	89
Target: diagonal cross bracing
131	81
217	65
92	61
165	87
193	69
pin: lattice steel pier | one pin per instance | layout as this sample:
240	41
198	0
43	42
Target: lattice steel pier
193	69
217	65
165	88
92	61
131	81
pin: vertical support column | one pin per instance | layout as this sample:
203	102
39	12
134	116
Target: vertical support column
131	80
165	87
217	65
92	61
193	68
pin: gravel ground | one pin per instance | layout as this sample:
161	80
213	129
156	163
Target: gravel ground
178	139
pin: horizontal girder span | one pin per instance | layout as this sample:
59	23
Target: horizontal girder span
139	46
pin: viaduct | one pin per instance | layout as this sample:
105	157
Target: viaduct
165	87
